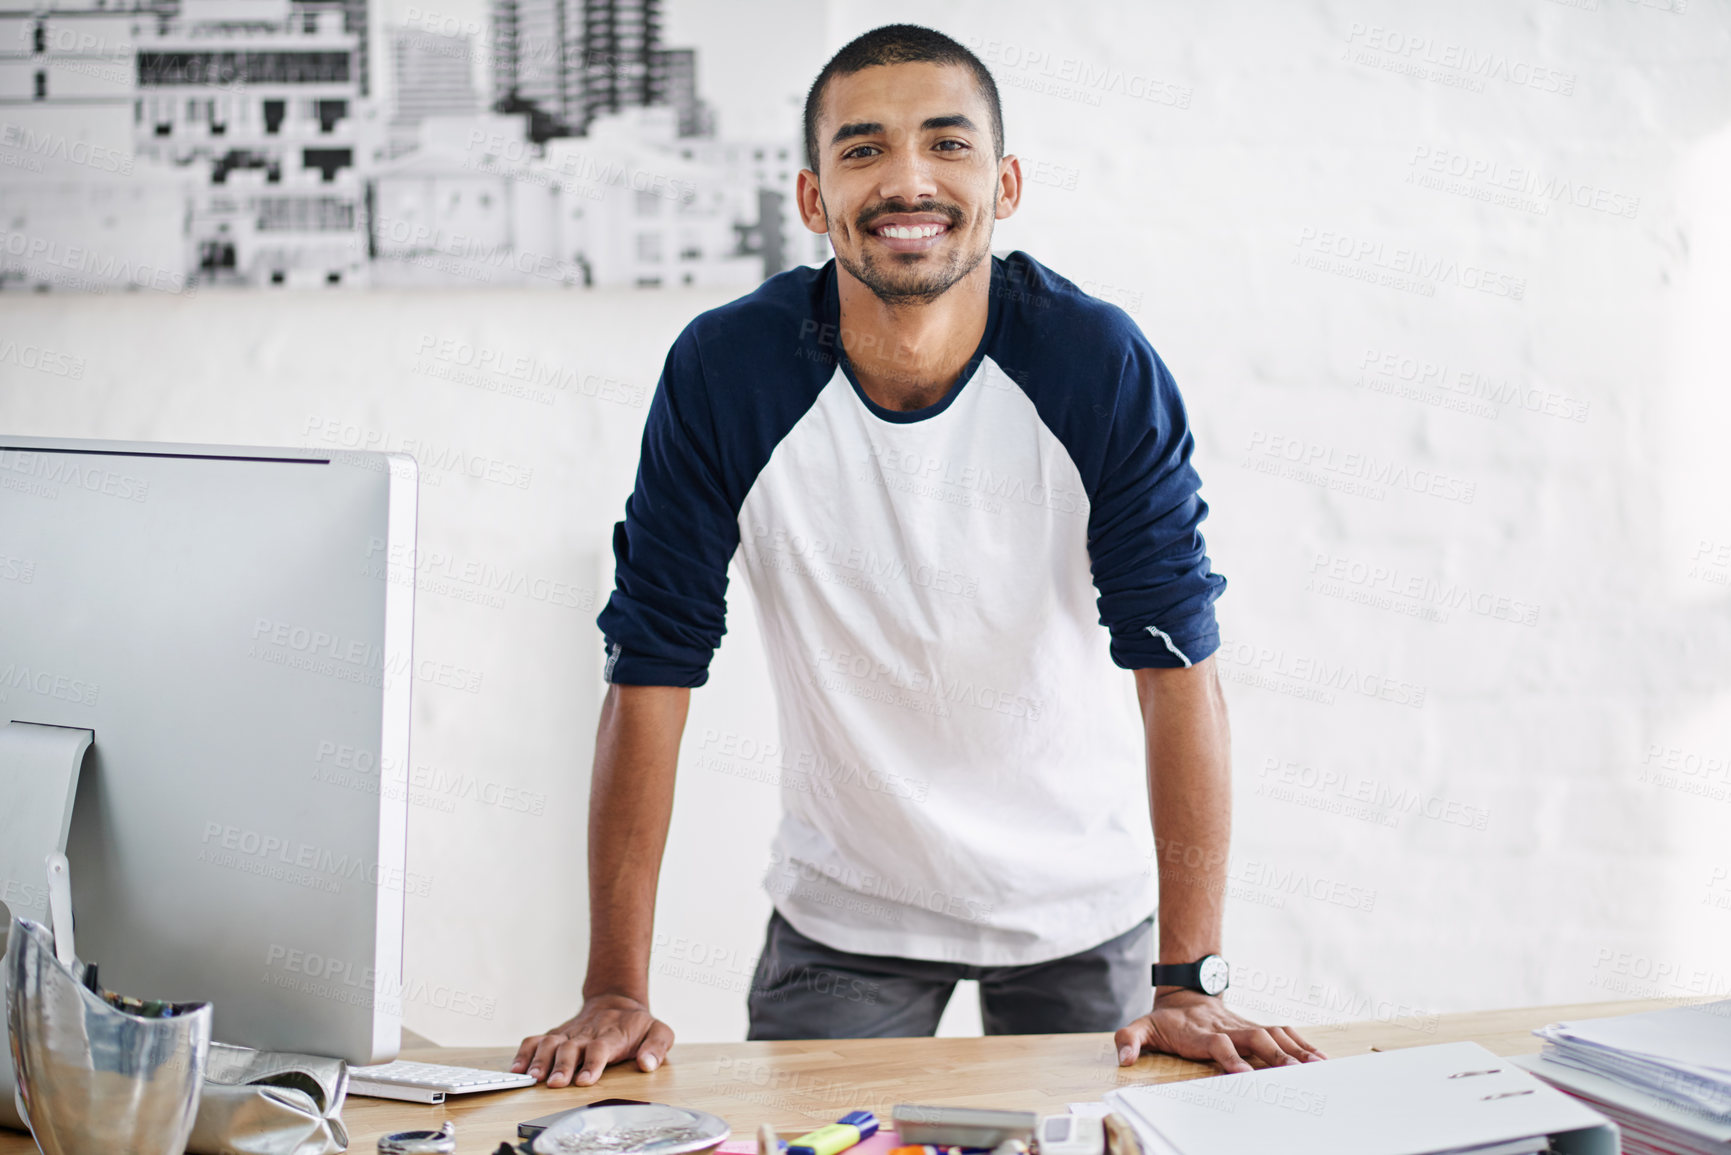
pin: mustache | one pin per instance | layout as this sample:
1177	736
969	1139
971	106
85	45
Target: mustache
871	216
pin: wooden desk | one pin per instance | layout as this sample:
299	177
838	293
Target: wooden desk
795	1087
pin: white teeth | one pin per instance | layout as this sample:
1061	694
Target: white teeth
910	233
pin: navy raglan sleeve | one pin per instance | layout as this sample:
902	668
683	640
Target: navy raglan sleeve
1157	589
667	612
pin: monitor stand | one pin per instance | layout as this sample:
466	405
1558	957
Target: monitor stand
39	766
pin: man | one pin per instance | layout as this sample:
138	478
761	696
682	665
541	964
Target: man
941	472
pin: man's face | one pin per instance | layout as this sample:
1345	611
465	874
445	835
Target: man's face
909	186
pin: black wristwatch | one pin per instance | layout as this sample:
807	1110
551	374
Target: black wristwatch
1208	974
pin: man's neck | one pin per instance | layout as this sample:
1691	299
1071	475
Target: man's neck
907	356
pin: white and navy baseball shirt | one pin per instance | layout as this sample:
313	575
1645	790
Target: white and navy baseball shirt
962	763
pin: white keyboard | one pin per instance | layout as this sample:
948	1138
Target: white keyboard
428	1082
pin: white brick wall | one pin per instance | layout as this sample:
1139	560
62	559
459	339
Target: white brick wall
1241	176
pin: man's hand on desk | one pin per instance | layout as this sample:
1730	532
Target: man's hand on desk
1193	1025
609	1029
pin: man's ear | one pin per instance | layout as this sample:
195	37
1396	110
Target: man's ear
812	211
1009	186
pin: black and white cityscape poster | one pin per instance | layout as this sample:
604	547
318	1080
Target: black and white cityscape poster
175	145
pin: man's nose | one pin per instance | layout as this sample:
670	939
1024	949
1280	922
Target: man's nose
907	175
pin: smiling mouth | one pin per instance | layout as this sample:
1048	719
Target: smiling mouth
909	232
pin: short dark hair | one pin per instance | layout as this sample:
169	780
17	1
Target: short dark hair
899	44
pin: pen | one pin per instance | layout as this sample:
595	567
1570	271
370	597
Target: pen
837	1137
767	1141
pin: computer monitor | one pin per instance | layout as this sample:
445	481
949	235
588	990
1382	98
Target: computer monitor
233	624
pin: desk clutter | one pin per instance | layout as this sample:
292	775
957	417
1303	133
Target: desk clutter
1450	1099
1664	1076
614	1127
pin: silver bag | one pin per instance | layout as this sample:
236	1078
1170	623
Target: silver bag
251	1102
270	1103
93	1076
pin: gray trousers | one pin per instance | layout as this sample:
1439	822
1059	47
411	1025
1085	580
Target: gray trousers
805	990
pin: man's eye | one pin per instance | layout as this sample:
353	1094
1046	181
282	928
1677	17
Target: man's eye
858	151
959	144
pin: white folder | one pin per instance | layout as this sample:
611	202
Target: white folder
1457	1097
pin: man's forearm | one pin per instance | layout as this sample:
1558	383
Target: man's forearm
630	805
1190	796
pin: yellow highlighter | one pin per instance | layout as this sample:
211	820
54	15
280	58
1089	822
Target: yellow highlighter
838	1136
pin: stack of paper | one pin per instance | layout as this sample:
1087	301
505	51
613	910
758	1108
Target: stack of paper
1664	1076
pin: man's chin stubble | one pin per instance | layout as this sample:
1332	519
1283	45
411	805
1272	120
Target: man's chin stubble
920	291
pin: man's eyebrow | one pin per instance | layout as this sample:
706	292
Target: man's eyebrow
954	120
872	127
858	128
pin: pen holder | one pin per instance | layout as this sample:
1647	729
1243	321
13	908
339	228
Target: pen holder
91	1076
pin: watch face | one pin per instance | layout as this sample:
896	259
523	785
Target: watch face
1213	974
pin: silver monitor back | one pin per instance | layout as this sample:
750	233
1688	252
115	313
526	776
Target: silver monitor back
234	624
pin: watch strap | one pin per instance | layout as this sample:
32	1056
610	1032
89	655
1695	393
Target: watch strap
1187	975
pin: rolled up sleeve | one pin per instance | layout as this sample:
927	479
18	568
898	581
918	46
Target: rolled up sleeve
667	612
1157	588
